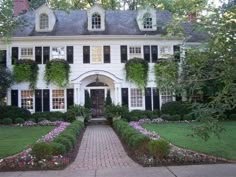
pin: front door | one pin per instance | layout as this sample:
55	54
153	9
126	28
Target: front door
97	97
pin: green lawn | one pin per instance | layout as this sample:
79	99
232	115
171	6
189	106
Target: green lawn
177	134
15	139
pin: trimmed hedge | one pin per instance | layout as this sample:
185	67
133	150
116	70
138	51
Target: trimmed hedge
7	121
14	112
19	121
232	117
159	149
42	150
52	116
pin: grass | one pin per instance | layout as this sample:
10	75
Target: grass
15	139
178	134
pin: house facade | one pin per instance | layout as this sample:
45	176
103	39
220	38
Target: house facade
96	43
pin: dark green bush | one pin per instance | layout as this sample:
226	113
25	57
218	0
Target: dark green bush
42	150
19	121
41	119
7	121
115	111
223	117
65	141
176	108
166	117
48	116
159	148
232	117
188	117
70	136
57	148
136	115
32	119
127	133
137	140
14	112
175	117
70	115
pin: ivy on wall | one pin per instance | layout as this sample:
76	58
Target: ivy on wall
57	72
137	71
26	70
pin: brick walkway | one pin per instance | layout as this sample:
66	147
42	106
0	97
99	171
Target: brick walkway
100	148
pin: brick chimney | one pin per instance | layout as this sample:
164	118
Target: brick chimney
20	6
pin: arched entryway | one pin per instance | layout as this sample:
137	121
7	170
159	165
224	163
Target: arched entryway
97	84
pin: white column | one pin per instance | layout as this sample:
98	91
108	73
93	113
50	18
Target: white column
76	93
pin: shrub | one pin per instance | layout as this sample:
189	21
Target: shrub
166	117
175	117
232	117
136	115
7	121
32	120
42	150
223	117
19	121
65	141
137	140
70	115
176	108
14	112
41	119
70	136
115	110
188	117
159	148
57	148
48	116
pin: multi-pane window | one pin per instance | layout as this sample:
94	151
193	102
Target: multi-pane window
96	21
135	50
165	51
147	21
136	98
26	53
27	99
166	96
58	53
58	99
43	24
96	54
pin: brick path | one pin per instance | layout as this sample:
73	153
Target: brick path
100	148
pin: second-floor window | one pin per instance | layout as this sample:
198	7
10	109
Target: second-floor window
26	53
58	53
96	21
97	54
44	22
147	21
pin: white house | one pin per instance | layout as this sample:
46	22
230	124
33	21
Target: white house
96	43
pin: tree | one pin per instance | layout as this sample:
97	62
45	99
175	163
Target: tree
5	82
87	103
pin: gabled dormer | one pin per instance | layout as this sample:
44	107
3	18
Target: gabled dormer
96	18
147	20
45	19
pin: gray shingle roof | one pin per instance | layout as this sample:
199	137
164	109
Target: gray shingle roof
75	22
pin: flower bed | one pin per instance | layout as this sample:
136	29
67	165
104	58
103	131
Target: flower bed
28	159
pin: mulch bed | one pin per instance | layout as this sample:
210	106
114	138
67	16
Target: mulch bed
24	162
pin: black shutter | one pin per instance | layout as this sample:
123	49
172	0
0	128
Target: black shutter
14	97
70	97
123	53
38	100
3	59
146	51
38	55
46	54
14	54
156	99
125	96
86	54
154	50
46	100
106	54
177	53
70	54
148	99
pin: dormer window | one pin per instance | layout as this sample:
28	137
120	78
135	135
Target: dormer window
44	22
96	21
147	21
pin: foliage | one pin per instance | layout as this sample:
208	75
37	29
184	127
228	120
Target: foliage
42	150
7	121
232	117
176	108
26	70
137	71
57	148
188	117
166	79
6	81
65	141
57	72
112	111
88	103
108	100
14	112
19	121
71	137
159	149
39	116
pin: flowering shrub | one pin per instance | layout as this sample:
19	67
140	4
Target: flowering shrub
29	123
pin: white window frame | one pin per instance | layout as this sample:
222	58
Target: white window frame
165	51
26	54
136	105
147	21
135	51
91	55
60	56
52	101
166	96
25	100
43	21
96	21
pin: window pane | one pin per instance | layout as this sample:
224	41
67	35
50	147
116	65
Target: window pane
147	21
97	54
58	99
136	98
27	99
26	53
43	21
58	53
96	21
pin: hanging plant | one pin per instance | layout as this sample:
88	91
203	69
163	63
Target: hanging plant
137	71
166	75
26	70
57	72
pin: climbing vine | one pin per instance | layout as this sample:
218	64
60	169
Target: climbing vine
26	70
57	72
137	71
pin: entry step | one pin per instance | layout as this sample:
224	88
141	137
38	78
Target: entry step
98	121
